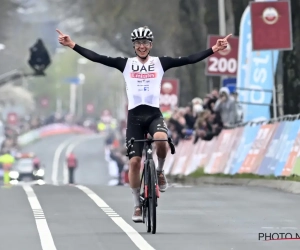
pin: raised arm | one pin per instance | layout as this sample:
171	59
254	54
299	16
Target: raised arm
117	62
169	62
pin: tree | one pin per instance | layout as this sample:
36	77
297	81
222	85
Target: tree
291	66
18	96
191	38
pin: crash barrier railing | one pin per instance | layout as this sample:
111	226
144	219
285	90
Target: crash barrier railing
262	148
49	130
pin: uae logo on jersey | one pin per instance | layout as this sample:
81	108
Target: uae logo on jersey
138	71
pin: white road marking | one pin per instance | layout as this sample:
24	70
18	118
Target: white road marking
70	148
136	238
107	209
74	141
55	164
40	220
294	228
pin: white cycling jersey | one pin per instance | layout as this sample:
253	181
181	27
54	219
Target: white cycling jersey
143	82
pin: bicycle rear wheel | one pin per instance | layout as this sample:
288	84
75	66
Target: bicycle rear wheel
152	195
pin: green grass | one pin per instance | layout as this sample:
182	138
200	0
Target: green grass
200	173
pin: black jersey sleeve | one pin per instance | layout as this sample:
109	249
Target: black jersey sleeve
114	62
169	62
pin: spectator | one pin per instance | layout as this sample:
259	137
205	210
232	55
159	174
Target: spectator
117	155
239	108
176	126
197	106
189	117
227	108
205	127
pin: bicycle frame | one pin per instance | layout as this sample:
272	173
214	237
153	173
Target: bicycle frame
149	181
148	149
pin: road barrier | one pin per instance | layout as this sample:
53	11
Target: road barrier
262	148
50	130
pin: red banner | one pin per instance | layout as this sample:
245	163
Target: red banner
169	94
271	26
223	62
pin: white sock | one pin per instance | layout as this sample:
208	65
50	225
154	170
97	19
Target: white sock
160	164
136	196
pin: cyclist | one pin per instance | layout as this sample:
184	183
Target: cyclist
143	75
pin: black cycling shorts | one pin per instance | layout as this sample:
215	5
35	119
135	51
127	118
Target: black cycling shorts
142	120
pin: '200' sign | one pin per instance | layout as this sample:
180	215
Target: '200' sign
222	65
223	62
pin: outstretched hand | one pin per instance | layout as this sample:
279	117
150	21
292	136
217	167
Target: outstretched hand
221	44
65	40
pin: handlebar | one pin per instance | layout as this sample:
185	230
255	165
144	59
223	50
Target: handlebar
150	140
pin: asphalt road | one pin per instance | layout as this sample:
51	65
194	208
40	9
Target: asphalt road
96	216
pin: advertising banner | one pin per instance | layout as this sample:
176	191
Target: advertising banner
232	151
291	160
207	151
221	153
268	163
271	25
254	75
286	143
28	137
243	148
192	163
258	149
296	167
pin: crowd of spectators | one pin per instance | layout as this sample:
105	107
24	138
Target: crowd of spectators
205	118
9	132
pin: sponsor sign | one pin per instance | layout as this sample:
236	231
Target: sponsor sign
255	72
223	62
245	144
258	149
295	150
268	164
271	26
286	143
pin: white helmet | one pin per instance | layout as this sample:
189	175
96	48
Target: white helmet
142	33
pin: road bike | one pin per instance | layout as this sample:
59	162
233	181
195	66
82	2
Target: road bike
149	182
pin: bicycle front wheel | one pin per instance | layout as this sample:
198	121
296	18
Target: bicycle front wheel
152	196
